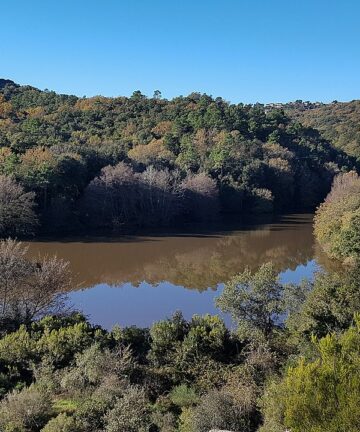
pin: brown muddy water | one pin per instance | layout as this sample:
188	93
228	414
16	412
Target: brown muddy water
136	280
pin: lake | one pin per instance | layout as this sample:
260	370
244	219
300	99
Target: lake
136	280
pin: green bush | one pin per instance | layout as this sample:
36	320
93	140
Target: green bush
183	396
254	301
322	394
90	413
62	423
329	305
130	413
218	410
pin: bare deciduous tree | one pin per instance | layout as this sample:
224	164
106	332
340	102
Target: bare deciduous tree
30	290
14	269
345	183
201	195
160	194
17	214
111	196
120	196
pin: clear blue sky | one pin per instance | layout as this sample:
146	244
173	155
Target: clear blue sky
242	50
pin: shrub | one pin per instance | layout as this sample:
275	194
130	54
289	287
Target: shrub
322	394
183	396
130	413
165	422
166	337
255	301
90	413
207	336
62	423
218	410
94	366
186	420
25	411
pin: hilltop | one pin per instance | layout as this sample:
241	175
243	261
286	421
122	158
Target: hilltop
338	122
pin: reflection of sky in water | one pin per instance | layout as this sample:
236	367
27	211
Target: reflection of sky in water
301	272
128	305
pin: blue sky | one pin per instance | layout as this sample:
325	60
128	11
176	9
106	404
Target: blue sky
242	50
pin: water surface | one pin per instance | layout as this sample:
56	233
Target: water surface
136	280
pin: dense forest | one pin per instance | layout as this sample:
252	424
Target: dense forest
338	122
69	163
291	361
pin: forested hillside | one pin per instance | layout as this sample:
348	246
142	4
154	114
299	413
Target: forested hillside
338	122
112	162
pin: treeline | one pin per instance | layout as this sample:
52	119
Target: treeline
153	197
291	362
63	149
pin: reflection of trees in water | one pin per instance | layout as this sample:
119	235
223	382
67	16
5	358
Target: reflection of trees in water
196	261
325	262
206	267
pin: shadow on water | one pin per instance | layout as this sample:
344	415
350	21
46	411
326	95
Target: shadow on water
227	225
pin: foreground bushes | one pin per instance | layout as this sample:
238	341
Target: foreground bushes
337	221
64	373
293	359
101	383
321	394
25	410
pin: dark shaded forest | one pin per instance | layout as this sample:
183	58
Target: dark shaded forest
79	164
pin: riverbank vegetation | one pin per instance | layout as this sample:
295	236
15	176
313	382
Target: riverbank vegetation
290	362
114	163
337	220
